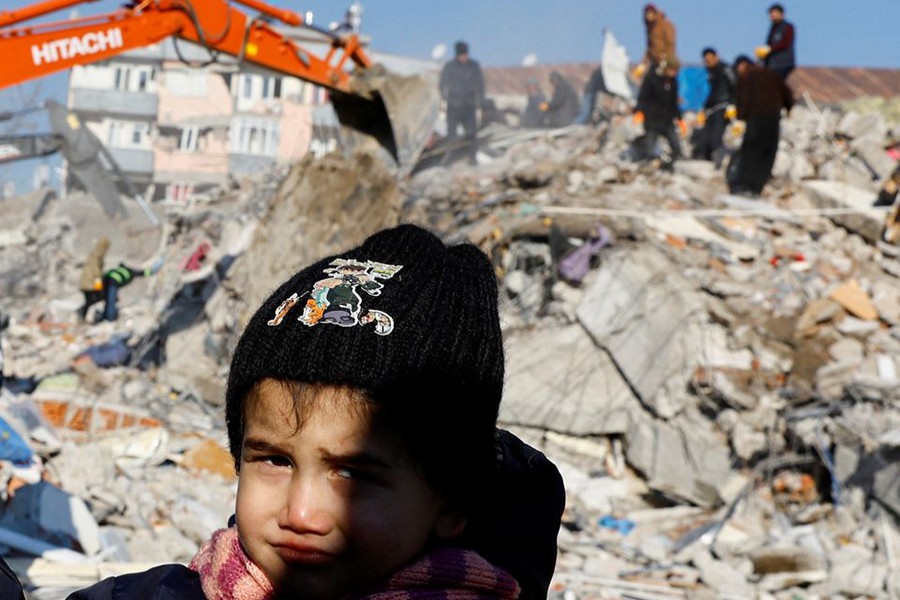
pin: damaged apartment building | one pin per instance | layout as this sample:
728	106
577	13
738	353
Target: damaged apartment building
181	122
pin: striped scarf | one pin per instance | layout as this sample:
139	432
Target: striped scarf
227	573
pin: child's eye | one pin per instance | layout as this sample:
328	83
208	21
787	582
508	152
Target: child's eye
275	460
346	473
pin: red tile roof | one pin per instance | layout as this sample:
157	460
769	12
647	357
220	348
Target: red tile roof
826	85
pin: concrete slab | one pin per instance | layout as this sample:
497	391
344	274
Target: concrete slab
655	327
865	221
558	379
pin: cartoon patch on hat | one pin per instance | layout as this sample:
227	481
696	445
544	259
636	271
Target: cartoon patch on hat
336	299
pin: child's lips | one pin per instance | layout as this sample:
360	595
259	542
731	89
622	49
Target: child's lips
303	554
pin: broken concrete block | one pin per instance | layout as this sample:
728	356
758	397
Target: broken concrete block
558	379
855	571
680	460
721	576
886	299
855	300
847	350
651	321
863	219
747	442
817	311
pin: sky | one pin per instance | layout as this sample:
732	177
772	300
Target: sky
504	32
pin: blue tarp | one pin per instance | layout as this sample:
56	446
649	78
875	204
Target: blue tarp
692	87
12	447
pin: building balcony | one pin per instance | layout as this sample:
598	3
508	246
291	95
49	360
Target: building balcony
115	103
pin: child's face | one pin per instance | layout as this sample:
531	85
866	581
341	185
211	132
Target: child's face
335	504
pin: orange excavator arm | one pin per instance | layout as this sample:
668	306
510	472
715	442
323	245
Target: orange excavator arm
34	51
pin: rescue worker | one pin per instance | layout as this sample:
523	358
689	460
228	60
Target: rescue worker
563	106
462	89
532	116
760	95
657	107
91	282
718	108
595	85
778	53
117	278
660	40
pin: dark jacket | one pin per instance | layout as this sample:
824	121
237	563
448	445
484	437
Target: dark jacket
462	83
781	42
658	100
564	104
166	582
10	588
721	86
762	93
533	116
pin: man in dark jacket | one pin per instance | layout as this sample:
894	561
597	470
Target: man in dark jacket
563	106
657	103
462	88
761	94
721	96
778	53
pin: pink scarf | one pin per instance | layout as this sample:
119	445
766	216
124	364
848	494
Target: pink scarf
227	573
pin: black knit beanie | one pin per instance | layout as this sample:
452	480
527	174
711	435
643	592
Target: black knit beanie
410	321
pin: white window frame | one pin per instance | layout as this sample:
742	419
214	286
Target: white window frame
189	140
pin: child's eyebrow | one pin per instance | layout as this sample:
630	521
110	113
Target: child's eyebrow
357	459
261	445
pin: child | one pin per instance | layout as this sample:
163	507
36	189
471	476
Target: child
369	464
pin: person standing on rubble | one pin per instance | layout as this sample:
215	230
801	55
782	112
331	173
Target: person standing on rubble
660	41
563	106
462	89
91	282
778	54
532	116
657	107
718	108
369	463
761	94
117	278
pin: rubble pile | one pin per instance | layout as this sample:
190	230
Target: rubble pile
715	376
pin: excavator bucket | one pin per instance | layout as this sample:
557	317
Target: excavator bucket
398	111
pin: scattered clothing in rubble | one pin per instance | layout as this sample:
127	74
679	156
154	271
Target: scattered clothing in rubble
761	94
109	354
12	447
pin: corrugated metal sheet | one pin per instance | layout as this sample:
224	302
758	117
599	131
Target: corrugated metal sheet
825	85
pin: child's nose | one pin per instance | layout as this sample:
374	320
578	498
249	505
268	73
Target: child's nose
307	509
